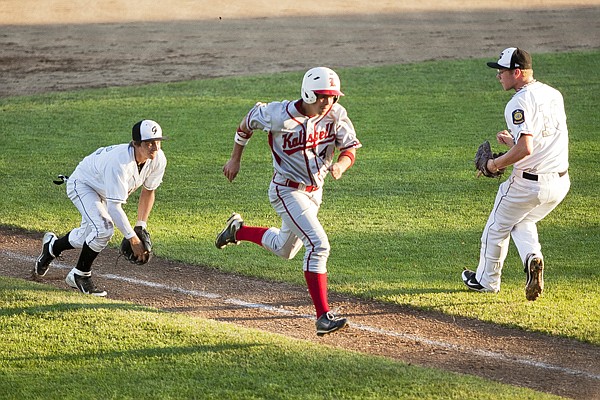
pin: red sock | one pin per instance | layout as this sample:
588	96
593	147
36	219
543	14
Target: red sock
252	234
317	287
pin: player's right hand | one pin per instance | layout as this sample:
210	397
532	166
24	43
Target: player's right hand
138	248
231	169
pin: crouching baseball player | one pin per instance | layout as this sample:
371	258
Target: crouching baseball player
303	136
98	187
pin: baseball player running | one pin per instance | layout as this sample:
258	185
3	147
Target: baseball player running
538	140
303	135
98	187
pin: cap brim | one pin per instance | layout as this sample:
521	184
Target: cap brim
329	92
157	139
496	65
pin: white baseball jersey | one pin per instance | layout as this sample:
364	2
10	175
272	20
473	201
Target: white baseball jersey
303	147
113	173
538	109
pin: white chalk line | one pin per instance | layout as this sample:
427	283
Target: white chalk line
367	328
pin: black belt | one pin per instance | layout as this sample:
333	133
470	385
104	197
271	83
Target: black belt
533	177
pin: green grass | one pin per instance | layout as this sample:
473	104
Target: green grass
402	223
61	345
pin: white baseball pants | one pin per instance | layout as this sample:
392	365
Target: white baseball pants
96	225
519	205
299	226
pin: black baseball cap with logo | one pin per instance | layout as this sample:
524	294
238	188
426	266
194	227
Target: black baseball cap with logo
146	130
512	58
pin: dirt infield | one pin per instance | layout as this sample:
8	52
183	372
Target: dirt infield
58	45
96	46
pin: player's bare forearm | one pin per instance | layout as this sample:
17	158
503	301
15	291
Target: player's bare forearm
517	152
145	204
233	165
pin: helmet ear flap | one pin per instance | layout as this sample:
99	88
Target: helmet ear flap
308	96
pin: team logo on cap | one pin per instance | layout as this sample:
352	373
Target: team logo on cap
518	117
154	130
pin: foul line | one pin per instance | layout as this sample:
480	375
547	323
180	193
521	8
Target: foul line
283	311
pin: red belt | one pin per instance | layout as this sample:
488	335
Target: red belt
300	186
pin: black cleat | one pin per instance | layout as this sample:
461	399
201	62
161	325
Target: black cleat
468	278
84	284
227	235
534	268
329	323
46	256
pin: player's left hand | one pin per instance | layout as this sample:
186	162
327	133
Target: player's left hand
484	161
336	170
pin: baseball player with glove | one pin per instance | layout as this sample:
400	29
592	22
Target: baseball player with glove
98	187
537	138
303	135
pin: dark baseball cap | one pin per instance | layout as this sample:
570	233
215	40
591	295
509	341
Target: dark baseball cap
146	130
512	58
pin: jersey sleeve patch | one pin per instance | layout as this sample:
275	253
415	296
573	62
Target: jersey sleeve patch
518	117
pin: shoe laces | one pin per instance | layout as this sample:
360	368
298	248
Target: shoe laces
332	314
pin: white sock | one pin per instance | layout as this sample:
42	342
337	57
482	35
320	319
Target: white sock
81	273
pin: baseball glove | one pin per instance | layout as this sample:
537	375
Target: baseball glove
127	251
483	154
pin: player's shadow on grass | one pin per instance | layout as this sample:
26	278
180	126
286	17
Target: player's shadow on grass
68	307
413	291
61	305
145	353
